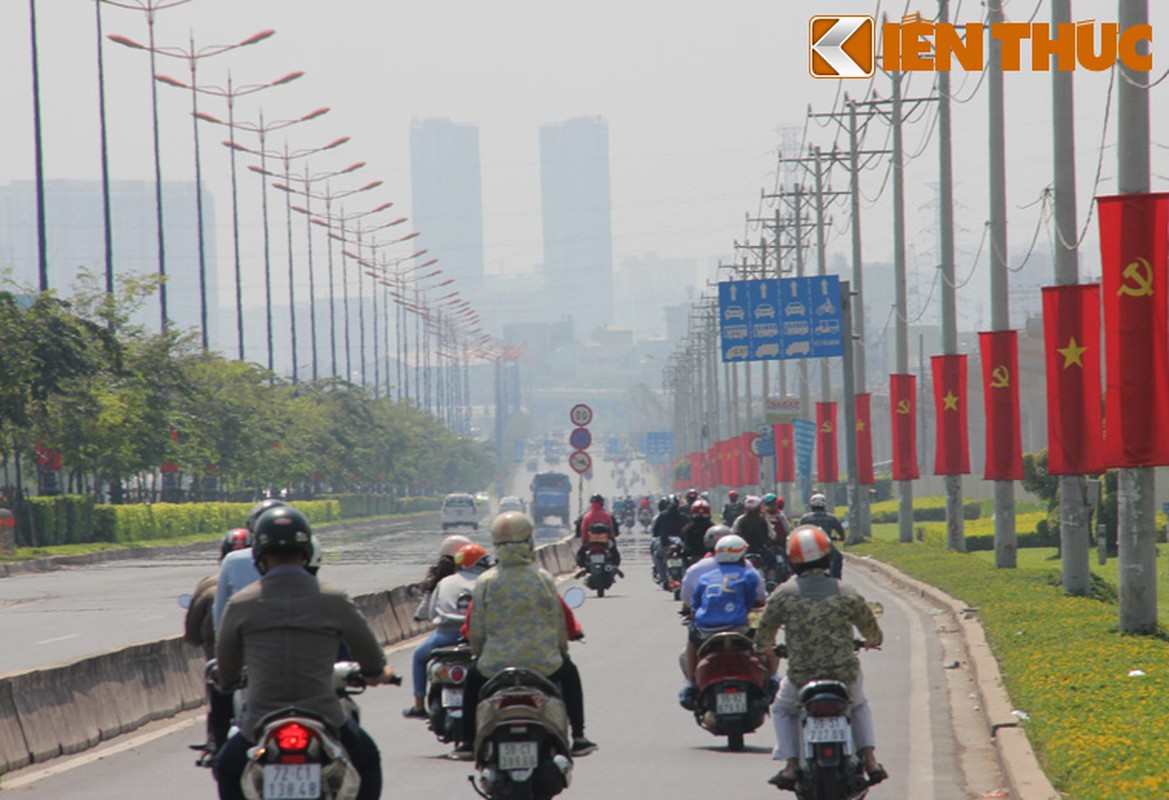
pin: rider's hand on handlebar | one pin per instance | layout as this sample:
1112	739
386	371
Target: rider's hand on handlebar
387	676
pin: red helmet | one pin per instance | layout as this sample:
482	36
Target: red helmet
779	503
469	555
700	508
733	495
235	539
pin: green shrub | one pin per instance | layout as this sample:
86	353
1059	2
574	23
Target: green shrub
355	506
925	509
60	519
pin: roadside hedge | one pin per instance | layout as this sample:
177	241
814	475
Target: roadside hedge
75	519
928	509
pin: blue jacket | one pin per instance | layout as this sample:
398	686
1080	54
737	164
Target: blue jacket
723	597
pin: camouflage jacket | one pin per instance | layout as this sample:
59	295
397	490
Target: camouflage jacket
818	614
516	618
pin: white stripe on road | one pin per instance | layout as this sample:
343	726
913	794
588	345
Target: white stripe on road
150	619
921	739
59	638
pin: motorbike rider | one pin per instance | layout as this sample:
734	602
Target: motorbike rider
733	508
753	526
714	534
694	531
238	569
721	600
818	614
444	566
826	521
667	524
691	496
584	526
447	608
285	629
517	620
199	630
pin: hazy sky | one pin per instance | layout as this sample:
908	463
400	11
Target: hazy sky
693	100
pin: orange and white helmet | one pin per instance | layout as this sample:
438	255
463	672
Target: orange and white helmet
730	549
806	544
469	555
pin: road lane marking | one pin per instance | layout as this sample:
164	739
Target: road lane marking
59	638
921	738
150	619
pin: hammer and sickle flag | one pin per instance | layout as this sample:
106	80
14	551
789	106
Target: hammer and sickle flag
1004	448
785	453
826	463
951	445
1071	343
1134	254
903	410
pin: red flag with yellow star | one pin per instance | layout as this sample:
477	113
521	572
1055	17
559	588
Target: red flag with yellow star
1134	255
785	453
864	440
1000	386
826	465
1071	342
951	445
903	410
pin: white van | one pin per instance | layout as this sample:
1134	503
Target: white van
459	509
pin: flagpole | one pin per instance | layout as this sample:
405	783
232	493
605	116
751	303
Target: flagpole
1073	512
1136	529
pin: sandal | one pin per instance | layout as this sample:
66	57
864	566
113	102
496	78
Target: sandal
877	775
783	780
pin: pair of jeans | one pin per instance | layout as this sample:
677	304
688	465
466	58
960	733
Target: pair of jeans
571	691
363	754
439	638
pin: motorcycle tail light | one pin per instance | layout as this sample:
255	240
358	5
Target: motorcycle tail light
292	737
512	700
457	674
827	707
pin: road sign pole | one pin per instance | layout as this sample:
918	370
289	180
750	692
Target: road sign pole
855	512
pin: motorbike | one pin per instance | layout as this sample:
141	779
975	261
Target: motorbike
600	566
644	517
522	748
675	567
298	757
829	767
733	688
447	673
627	518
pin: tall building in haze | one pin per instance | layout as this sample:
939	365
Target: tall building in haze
578	235
448	198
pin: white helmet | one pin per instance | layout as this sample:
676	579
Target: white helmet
511	526
713	534
752	502
730	549
806	544
451	545
818	501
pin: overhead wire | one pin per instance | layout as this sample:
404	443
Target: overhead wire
1099	167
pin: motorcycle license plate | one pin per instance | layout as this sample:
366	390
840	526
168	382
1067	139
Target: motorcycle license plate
518	755
452	698
292	781
674	563
825	729
597	558
726	703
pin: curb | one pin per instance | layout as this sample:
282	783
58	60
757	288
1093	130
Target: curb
1021	769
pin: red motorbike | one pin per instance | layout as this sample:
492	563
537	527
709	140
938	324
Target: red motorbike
733	687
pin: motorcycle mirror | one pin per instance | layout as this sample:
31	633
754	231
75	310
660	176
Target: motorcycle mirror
876	608
185	600
574	597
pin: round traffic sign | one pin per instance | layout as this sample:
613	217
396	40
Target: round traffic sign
580	461
580	439
581	415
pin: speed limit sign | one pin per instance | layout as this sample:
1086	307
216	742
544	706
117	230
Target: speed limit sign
581	415
580	461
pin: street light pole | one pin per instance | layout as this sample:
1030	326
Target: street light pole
42	257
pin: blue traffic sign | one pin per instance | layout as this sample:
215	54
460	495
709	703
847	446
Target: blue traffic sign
805	440
580	439
659	447
780	318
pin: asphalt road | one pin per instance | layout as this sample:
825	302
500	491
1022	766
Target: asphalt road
649	747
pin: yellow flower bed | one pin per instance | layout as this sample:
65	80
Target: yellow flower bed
1098	731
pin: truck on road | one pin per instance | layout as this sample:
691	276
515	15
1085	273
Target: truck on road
550	493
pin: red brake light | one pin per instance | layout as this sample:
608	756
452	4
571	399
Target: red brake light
827	707
458	674
293	737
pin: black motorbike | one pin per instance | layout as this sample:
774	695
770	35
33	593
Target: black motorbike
446	674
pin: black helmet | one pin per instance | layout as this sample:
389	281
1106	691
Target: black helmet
259	508
599	527
597	498
282	529
663	504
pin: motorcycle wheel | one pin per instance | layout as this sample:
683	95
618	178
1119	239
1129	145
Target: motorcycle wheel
829	783
735	744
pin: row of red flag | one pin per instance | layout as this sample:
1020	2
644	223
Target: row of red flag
1133	409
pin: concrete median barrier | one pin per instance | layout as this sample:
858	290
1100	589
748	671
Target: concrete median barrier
13	746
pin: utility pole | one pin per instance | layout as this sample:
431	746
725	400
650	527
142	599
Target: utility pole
1073	511
1005	538
955	522
855	509
1137	531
